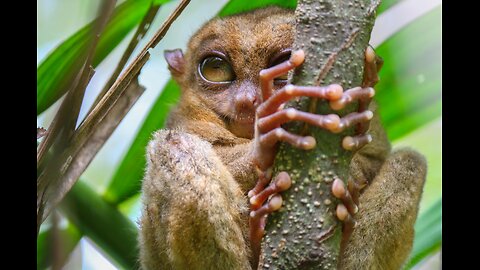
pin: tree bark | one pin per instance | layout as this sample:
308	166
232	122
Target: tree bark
305	233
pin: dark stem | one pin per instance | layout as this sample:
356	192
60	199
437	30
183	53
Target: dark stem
306	234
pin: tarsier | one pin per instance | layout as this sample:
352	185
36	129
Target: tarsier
203	170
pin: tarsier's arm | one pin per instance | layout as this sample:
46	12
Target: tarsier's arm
192	216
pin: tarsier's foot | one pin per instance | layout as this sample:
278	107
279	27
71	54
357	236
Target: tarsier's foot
348	207
271	115
373	64
261	208
349	196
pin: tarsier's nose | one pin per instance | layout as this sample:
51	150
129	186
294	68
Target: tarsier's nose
246	100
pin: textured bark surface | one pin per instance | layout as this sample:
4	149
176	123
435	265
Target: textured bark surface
305	234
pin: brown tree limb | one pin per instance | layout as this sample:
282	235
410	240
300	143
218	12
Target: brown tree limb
305	233
139	34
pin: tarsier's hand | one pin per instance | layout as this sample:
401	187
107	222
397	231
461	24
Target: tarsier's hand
270	116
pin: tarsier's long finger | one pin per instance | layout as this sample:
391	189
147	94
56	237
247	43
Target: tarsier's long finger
373	64
272	205
279	134
352	95
264	178
257	222
353	119
340	191
265	152
348	223
354	188
345	210
331	92
257	230
281	183
268	75
329	122
356	142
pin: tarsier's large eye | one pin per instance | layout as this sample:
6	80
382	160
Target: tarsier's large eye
216	69
278	59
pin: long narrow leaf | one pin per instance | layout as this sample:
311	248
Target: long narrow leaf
69	236
238	6
386	4
103	223
428	234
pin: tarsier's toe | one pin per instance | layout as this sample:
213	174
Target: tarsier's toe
347	220
352	95
373	64
264	177
346	209
281	183
352	119
341	192
354	143
369	55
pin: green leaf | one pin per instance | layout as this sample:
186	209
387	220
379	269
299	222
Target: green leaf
103	223
428	234
126	181
69	237
386	4
409	91
59	69
238	6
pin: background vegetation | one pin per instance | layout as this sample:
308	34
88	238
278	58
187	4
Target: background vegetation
104	205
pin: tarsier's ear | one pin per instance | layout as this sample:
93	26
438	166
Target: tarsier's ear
175	60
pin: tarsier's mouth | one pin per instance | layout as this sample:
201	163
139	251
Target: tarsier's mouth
240	119
241	125
244	120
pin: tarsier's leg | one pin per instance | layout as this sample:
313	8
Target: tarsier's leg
383	234
192	216
269	132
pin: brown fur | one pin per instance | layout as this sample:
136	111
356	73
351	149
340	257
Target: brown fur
200	168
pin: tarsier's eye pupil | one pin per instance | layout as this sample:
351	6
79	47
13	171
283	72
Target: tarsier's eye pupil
216	69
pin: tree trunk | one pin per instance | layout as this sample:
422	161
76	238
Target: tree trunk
305	233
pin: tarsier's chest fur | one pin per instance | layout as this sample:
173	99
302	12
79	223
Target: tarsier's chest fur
199	169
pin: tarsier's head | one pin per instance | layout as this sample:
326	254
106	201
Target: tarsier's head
223	60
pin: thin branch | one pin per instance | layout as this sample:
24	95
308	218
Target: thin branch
139	34
313	234
78	94
111	96
168	22
63	123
